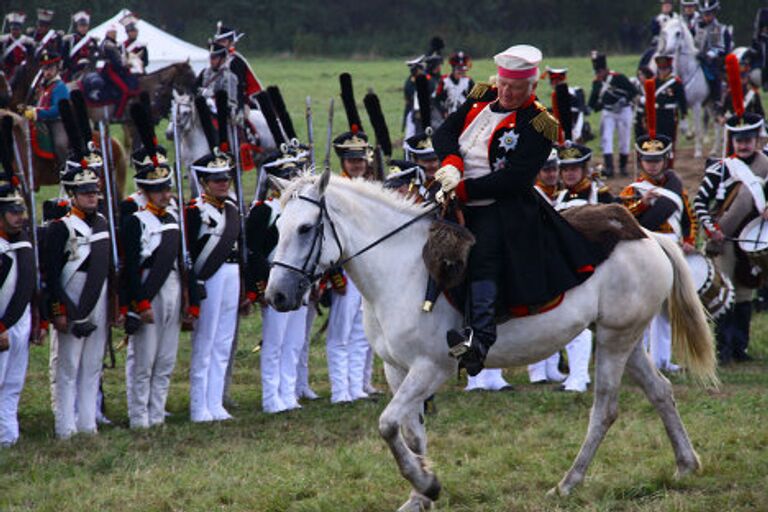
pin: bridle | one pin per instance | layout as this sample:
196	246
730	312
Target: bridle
308	269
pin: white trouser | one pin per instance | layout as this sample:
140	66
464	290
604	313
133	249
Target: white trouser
212	344
579	352
154	356
302	367
657	340
489	378
13	369
410	125
546	370
283	337
620	122
347	346
78	368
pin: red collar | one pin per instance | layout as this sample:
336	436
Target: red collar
581	186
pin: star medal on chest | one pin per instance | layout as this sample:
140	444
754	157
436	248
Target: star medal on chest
508	141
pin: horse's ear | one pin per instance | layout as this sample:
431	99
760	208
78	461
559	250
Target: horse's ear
176	95
278	184
322	183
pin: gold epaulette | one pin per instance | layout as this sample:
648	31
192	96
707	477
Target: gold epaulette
479	90
604	188
545	123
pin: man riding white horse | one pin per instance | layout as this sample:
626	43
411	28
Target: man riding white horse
492	149
713	41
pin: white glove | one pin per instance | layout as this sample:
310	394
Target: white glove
449	178
443	197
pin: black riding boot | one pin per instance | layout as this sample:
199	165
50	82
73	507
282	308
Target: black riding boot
471	344
608	158
623	159
742	317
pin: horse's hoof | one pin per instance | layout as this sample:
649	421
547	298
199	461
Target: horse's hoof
417	503
690	468
432	492
558	492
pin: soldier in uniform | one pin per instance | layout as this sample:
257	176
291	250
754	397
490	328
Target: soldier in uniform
121	84
217	76
15	46
659	202
760	45
579	108
690	14
283	334
45	37
17	278
452	89
750	92
248	85
76	262
150	241
657	23
78	48
730	195
420	151
213	231
671	103
51	89
713	41
612	94
492	149
407	178
135	53
347	347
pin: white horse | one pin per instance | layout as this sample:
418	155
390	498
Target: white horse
675	39
327	219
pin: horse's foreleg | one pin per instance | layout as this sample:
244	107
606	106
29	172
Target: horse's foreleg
698	125
611	352
420	382
413	430
659	392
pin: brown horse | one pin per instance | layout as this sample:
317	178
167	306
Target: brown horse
47	170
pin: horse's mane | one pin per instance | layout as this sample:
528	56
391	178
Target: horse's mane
373	190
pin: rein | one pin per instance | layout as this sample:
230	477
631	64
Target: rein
313	259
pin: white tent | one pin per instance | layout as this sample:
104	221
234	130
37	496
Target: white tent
164	49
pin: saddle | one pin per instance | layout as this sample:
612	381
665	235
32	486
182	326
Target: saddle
447	250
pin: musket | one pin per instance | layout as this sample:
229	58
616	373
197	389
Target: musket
186	259
103	141
329	138
310	131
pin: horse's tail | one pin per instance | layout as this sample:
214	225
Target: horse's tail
692	340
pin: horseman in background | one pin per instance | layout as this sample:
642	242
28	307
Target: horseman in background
218	76
78	48
135	53
48	132
120	84
45	37
690	14
713	41
15	46
657	23
452	89
248	85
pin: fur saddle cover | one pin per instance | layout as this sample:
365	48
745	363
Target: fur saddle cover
446	252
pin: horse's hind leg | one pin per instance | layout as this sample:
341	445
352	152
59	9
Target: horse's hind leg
659	392
612	351
401	414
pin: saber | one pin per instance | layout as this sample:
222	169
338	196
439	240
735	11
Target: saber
329	138
310	131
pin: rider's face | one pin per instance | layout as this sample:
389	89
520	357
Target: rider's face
50	72
708	17
744	148
215	61
513	92
689	10
666	8
133	34
82	28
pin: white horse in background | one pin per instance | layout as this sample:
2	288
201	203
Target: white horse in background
327	219
192	142
675	39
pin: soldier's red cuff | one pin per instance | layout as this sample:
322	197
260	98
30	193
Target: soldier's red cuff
143	306
461	191
2	327
251	296
710	232
454	160
123	310
194	311
43	325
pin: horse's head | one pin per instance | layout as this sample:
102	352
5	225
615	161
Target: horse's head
307	244
185	111
674	38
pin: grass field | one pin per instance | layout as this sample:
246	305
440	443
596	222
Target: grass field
493	452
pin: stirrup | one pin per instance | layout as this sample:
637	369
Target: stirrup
459	342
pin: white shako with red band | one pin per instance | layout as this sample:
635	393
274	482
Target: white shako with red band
517	62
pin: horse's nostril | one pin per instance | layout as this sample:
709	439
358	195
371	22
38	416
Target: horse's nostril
279	300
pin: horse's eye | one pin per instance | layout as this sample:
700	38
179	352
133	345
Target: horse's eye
677	34
304	229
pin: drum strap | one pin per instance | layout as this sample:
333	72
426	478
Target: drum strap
741	172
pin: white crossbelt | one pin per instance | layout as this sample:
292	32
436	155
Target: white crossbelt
741	172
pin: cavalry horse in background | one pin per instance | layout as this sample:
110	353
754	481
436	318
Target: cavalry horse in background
329	221
675	39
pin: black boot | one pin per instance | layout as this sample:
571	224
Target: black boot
623	159
608	158
724	333
471	344
742	317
